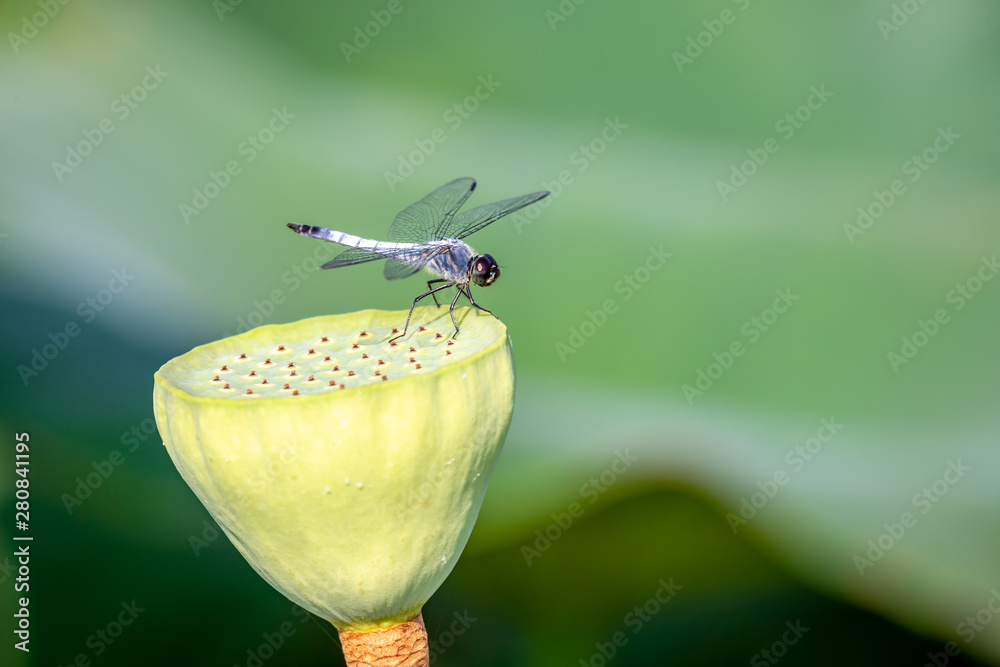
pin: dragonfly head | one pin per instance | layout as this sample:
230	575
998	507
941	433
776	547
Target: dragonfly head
485	270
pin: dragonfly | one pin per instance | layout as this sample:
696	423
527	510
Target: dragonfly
428	235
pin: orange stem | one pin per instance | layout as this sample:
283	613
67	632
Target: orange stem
403	645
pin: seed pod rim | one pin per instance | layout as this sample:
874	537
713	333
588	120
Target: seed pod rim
164	378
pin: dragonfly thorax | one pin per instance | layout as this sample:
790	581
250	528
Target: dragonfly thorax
484	270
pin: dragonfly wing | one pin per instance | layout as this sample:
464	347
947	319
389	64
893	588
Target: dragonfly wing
471	221
351	257
424	220
397	270
404	264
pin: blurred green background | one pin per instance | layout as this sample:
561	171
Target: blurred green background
823	176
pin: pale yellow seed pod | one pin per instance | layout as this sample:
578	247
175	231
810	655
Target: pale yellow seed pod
350	493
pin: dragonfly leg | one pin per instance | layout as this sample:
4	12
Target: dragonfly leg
452	311
431	282
414	305
468	293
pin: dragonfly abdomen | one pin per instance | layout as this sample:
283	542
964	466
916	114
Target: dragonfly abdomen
349	240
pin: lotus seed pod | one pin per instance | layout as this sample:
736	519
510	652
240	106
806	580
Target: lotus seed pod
347	469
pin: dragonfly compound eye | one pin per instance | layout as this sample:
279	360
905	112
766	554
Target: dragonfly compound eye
485	270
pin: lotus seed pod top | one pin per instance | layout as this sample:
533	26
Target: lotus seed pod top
348	470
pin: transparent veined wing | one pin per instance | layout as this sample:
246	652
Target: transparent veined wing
402	262
471	221
397	270
352	256
424	220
